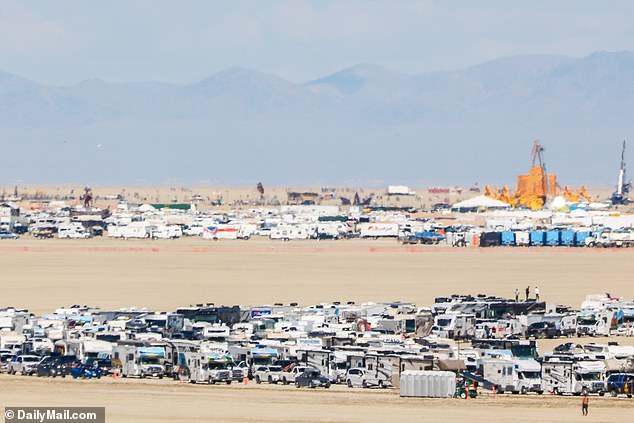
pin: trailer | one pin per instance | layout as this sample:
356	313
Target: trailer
133	230
455	326
379	230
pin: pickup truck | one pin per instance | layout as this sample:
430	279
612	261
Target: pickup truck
289	374
24	364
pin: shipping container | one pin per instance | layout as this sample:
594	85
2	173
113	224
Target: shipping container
490	239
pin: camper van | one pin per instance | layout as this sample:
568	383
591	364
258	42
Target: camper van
139	361
513	375
572	375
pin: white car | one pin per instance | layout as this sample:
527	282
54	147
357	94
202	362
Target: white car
25	364
355	377
271	374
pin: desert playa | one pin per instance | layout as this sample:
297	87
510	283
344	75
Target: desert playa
42	275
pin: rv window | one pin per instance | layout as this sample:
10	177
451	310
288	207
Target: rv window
116	354
369	367
130	357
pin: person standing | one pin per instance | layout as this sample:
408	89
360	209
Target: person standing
517	294
584	404
536	294
528	291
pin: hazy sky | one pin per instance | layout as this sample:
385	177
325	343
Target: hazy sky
66	41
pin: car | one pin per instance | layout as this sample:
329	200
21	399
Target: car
620	383
56	365
290	373
270	374
5	358
104	364
542	330
4	234
23	364
85	371
355	377
312	378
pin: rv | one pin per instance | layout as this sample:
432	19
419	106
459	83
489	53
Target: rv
139	361
73	231
598	322
380	370
133	230
572	375
513	375
208	367
455	326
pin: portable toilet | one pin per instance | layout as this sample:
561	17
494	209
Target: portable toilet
522	238
508	238
552	238
568	238
537	238
580	238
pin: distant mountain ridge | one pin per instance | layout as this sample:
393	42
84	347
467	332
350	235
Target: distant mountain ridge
365	124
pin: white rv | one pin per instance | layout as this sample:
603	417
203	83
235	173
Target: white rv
139	361
513	375
571	375
73	231
287	232
133	230
455	326
207	368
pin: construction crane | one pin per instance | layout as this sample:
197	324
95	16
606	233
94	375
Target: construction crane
622	188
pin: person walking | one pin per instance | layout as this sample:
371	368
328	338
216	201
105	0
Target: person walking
536	294
584	404
517	294
528	291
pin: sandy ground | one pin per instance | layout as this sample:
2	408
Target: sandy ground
43	274
167	401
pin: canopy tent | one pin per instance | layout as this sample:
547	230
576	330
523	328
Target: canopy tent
481	202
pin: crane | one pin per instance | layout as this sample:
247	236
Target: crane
622	188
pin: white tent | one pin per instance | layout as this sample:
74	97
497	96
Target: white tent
480	202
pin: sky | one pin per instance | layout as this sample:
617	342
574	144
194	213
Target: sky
64	42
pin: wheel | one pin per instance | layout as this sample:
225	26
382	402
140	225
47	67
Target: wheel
364	384
601	393
297	384
258	380
523	391
556	391
229	382
463	395
270	380
584	391
327	386
285	382
613	394
349	383
381	384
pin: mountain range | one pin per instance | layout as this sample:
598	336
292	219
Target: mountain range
365	125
